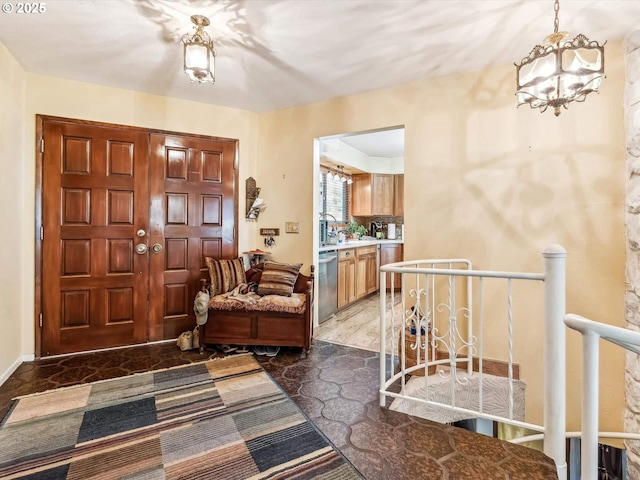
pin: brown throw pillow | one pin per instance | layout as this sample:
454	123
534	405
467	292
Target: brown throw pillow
278	278
225	274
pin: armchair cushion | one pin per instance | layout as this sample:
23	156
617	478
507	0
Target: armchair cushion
278	278
225	275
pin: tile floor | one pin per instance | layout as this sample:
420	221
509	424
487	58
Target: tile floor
336	386
358	325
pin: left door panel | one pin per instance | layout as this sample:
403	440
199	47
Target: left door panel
95	212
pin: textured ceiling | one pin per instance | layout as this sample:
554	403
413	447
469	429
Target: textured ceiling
273	54
381	143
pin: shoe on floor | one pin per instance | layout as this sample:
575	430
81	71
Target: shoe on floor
228	348
259	350
242	349
272	351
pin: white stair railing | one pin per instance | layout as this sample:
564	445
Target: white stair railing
553	347
592	332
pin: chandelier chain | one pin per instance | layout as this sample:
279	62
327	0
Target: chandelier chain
556	22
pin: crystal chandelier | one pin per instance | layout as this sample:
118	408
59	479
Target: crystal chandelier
560	71
199	54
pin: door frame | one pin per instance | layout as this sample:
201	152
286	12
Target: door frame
39	148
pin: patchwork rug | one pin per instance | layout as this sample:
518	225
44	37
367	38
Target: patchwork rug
220	419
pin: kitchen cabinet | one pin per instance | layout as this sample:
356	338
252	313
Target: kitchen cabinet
346	277
391	253
366	270
398	195
372	194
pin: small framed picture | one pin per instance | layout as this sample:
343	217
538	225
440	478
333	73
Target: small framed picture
292	227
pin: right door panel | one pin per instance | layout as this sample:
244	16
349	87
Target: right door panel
192	216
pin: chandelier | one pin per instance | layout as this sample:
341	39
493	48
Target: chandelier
199	54
560	71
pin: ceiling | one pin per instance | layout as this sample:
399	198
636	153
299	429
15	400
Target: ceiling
274	54
381	143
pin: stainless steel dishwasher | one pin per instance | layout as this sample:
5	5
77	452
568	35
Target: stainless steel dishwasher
327	284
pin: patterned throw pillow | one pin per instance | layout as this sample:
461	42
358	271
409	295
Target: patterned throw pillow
278	278
225	274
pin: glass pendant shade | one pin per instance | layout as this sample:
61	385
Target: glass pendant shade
199	54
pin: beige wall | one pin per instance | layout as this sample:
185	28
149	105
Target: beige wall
489	182
12	198
482	180
64	98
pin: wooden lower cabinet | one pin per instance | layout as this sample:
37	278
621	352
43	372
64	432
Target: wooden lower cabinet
391	253
372	273
367	270
346	277
358	273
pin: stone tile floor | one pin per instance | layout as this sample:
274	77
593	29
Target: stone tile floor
336	387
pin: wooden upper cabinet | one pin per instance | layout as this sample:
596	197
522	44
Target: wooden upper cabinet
398	203
361	194
372	194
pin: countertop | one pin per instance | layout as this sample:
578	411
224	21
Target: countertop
357	243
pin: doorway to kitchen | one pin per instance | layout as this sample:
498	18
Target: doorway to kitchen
359	207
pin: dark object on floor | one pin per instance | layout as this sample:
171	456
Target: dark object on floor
272	351
259	350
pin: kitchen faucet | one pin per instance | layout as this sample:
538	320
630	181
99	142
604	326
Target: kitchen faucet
322	215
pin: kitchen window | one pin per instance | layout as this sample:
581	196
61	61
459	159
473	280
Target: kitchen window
334	198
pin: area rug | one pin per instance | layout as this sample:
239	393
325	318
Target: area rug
220	419
495	399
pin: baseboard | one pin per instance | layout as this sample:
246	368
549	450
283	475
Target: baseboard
19	361
156	342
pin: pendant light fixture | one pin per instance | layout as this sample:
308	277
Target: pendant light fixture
199	53
560	71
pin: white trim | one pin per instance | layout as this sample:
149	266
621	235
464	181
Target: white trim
14	366
111	348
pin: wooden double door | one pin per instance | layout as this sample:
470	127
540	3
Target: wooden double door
127	217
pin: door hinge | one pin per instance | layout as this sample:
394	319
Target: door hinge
41	316
234	232
42	145
41	233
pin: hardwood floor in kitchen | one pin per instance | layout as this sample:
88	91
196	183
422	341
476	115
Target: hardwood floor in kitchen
358	325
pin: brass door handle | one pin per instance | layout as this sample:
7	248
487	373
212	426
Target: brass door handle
157	248
141	249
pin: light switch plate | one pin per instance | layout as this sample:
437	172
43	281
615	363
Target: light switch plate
292	227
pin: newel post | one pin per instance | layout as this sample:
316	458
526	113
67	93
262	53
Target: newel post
555	398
